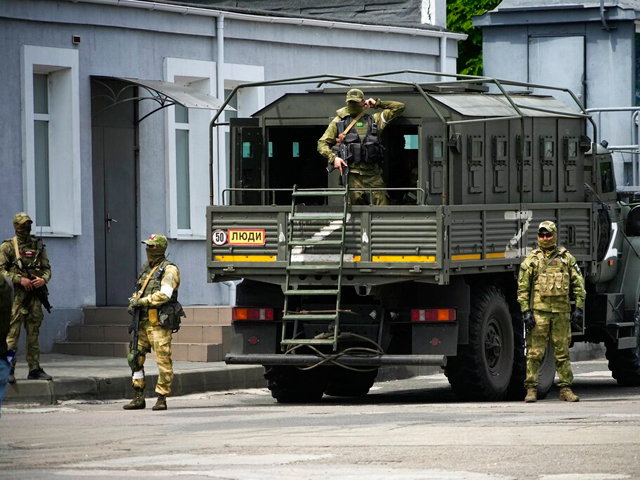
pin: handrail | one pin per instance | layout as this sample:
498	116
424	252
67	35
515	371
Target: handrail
419	201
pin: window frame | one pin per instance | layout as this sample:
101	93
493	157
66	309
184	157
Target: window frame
65	207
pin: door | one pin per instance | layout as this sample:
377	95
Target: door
558	61
115	192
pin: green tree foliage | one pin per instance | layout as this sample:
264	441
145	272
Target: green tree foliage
459	13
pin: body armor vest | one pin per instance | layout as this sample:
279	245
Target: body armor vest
555	281
361	143
169	313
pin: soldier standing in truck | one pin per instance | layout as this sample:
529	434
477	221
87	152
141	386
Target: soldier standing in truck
353	139
547	275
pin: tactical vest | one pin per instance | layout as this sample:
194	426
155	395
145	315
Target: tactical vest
361	145
169	313
31	253
555	281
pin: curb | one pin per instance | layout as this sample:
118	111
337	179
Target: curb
113	388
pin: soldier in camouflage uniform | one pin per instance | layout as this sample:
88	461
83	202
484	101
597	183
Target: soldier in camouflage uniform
550	273
27	251
157	298
362	142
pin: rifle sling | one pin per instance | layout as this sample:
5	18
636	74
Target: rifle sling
146	280
349	127
17	252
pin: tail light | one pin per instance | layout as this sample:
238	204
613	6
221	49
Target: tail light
240	314
433	315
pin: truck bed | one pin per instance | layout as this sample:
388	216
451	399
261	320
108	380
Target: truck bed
391	244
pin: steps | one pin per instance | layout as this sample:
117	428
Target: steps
204	336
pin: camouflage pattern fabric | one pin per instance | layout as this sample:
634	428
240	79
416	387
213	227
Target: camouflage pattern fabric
158	339
361	197
552	288
558	326
26	308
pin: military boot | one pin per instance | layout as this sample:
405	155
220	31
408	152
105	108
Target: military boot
38	374
567	395
161	403
532	395
138	402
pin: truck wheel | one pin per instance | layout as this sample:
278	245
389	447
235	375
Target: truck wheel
349	383
292	385
516	390
482	369
625	364
547	372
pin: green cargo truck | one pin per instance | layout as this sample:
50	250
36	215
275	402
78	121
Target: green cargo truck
332	291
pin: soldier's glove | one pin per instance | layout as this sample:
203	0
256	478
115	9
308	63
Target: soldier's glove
133	304
529	321
577	316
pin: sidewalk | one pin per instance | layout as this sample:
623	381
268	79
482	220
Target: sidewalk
108	378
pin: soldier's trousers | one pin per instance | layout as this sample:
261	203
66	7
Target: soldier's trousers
26	310
559	327
156	338
360	197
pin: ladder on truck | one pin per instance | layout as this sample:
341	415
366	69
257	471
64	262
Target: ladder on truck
338	223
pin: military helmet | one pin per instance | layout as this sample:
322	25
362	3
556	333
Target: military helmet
548	226
156	240
355	95
21	218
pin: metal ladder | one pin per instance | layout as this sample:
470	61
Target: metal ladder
296	268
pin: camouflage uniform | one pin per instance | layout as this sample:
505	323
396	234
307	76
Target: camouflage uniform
27	308
162	289
361	174
550	304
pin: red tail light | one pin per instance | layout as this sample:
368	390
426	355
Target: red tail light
433	315
241	313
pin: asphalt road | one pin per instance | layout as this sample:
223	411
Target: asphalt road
410	429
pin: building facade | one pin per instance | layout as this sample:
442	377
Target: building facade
591	47
101	162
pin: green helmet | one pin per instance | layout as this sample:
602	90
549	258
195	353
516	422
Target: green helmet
156	240
355	95
21	218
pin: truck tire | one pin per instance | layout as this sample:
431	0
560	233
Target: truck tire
547	372
482	369
348	383
292	385
625	364
516	390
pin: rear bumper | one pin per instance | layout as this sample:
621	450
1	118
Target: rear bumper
350	360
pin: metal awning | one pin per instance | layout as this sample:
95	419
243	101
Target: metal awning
165	94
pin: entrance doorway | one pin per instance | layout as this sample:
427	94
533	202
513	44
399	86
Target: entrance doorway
115	190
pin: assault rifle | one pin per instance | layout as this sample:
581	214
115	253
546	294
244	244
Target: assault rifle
344	178
41	293
134	353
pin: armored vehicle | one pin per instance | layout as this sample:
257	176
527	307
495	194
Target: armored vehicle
332	291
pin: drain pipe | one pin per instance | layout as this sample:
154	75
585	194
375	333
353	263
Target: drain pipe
221	168
602	19
232	291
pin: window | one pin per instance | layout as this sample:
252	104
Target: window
411	142
188	151
51	139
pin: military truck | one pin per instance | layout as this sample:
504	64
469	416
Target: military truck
332	291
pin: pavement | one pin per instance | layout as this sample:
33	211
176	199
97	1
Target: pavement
77	377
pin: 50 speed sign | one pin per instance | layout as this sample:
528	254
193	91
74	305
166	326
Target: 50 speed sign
219	237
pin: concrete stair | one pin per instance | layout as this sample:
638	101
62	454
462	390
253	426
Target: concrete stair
204	336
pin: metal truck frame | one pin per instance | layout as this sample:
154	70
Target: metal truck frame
332	291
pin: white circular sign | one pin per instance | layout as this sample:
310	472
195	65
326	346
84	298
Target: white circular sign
219	237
